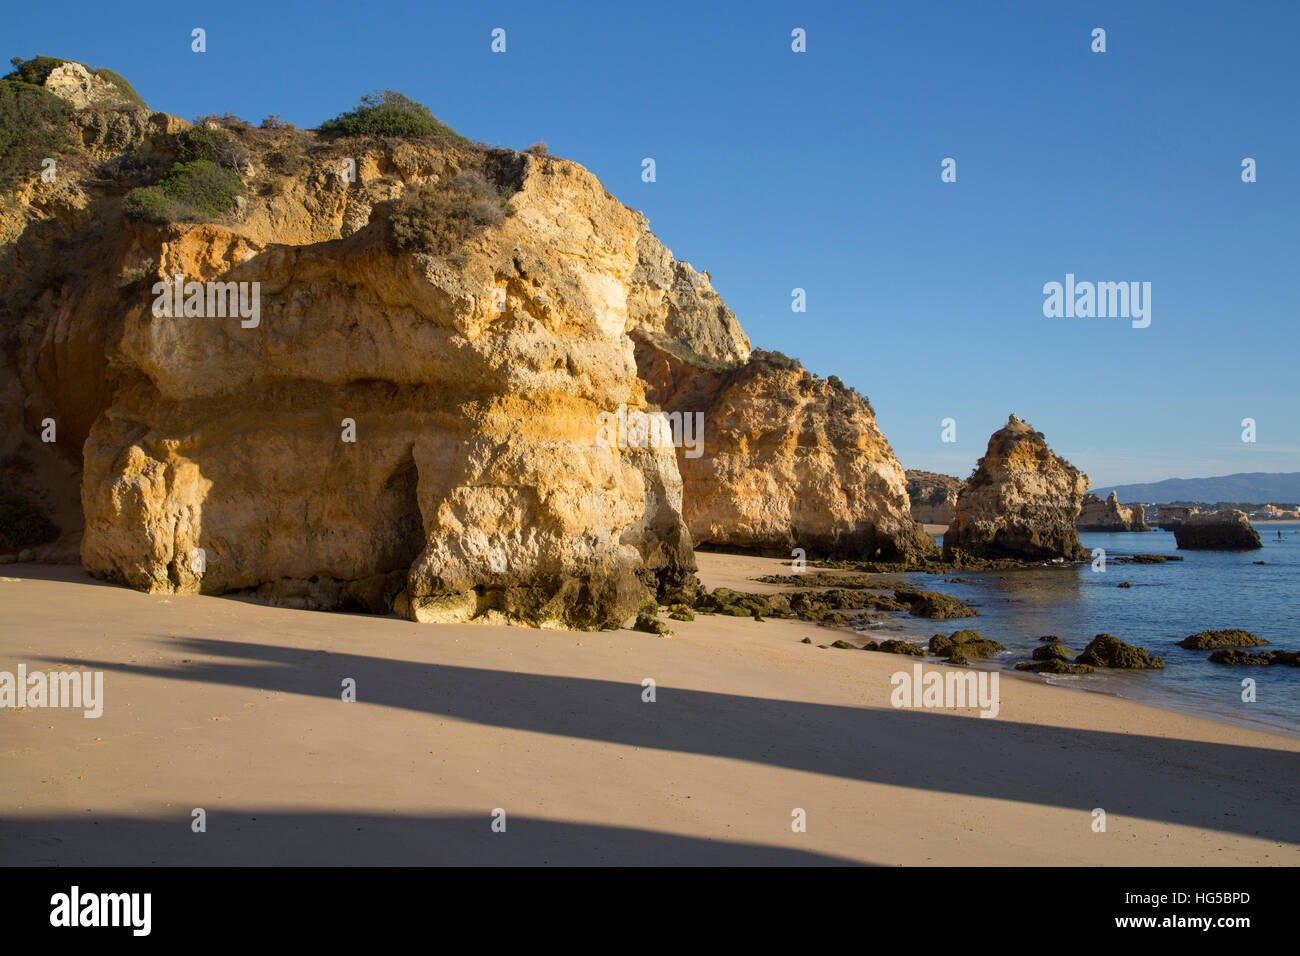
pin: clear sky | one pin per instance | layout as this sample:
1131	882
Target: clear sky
821	170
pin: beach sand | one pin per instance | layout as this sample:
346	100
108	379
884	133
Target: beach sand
234	707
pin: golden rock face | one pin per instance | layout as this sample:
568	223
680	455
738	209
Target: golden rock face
399	430
1022	501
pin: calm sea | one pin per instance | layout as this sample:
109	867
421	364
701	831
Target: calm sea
1207	590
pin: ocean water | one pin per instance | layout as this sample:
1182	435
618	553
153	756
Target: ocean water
1207	590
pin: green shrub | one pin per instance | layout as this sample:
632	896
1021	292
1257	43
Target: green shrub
439	218
123	87
213	144
36	70
34	124
200	191
386	113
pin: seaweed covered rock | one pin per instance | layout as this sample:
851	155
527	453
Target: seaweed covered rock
647	621
969	643
1107	650
1227	530
1049	652
933	604
1209	640
896	647
1054	666
1021	501
1263	658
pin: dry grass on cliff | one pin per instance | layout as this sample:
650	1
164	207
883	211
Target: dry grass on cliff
438	218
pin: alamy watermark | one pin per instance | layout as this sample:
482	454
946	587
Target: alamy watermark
212	300
949	688
84	689
1101	300
638	429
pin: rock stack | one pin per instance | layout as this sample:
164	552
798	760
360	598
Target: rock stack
1021	502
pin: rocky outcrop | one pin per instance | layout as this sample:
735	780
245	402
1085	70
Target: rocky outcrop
82	88
1171	517
1109	515
1107	650
1022	501
1228	530
394	430
1209	640
451	435
786	459
932	497
1263	658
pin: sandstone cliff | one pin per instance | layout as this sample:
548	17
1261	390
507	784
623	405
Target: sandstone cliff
1021	501
1109	515
933	497
397	428
790	461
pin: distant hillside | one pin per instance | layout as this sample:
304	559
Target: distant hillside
1255	486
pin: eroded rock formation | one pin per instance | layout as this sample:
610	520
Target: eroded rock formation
1022	501
399	429
1228	530
933	497
1109	515
789	460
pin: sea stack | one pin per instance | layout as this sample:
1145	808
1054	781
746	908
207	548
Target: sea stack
1110	515
1021	502
1228	530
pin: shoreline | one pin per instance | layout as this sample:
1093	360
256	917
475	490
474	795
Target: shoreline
726	570
234	707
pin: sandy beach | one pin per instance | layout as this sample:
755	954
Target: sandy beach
236	708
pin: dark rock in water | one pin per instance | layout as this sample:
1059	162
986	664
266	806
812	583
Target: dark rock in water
1264	658
1123	584
969	643
1107	650
1050	639
896	647
1209	640
1054	666
1048	652
932	604
1021	501
1259	562
1228	530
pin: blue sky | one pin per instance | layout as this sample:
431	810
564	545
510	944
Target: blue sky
821	170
